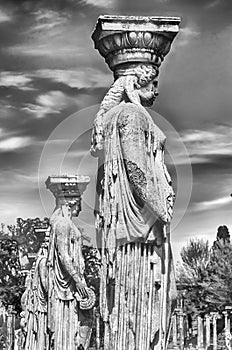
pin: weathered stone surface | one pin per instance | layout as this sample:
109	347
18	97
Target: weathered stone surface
122	39
57	302
67	185
135	196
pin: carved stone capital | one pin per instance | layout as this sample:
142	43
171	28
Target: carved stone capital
67	186
131	39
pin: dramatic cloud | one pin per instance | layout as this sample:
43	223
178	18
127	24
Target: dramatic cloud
208	143
100	3
11	79
51	103
14	143
48	19
88	77
217	203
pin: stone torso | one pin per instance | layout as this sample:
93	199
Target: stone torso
64	285
133	184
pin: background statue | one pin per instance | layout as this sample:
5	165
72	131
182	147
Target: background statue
135	196
34	303
57	304
70	301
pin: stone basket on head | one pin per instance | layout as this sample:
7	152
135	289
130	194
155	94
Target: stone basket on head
123	39
67	185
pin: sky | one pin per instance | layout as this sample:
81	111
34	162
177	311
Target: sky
52	80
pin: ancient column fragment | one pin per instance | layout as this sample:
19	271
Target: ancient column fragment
214	317
134	194
174	330
200	334
207	330
10	327
181	320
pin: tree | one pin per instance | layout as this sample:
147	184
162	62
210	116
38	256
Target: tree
26	236
218	284
11	281
195	258
27	233
205	274
192	272
223	236
92	267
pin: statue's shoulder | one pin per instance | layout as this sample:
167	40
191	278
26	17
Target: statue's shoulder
130	113
60	223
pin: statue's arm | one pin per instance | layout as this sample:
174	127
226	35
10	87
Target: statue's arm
62	245
146	189
43	272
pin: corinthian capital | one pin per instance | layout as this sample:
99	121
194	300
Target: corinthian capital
134	39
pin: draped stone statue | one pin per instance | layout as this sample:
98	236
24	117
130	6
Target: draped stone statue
34	303
134	191
57	302
69	299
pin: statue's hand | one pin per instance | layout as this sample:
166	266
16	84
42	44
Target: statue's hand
81	290
87	299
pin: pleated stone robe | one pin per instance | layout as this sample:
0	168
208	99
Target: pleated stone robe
68	326
133	210
34	304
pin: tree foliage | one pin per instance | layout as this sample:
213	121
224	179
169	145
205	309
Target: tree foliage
28	234
205	273
11	281
218	284
92	267
192	272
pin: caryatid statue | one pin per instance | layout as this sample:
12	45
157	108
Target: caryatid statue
134	192
34	303
70	301
57	304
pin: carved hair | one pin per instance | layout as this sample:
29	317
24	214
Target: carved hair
128	81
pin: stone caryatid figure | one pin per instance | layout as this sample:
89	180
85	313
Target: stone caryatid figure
134	193
57	303
34	303
69	299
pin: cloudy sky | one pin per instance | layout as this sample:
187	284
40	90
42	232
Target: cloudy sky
51	80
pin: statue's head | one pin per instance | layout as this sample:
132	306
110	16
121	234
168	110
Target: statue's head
140	82
148	90
134	82
73	204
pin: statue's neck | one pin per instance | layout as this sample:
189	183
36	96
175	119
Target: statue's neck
64	210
